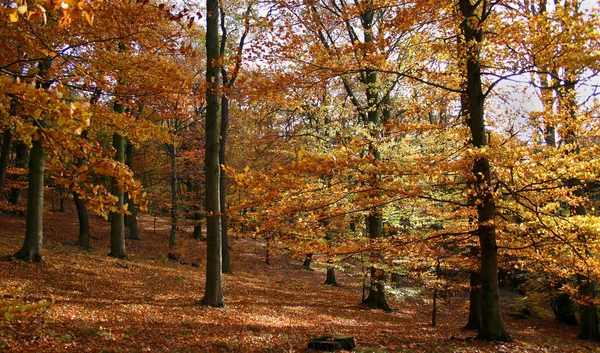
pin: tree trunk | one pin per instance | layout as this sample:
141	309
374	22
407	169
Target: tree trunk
376	298
434	309
174	204
587	310
32	246
117	225
474	322
563	308
14	196
268	251
5	155
197	234
307	261
83	239
330	280
213	295
492	326
131	220
396	279
223	185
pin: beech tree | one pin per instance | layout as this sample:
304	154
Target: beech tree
213	295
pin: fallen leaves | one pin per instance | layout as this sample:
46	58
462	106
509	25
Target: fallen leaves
146	304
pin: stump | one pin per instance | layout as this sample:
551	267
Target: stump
332	343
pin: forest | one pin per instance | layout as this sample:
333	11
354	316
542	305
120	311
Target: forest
299	175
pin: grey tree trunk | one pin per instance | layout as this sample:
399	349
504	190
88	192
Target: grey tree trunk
174	204
474	322
213	295
5	155
330	280
14	196
563	309
376	298
83	239
588	314
223	185
131	220
307	261
32	246
492	325
117	223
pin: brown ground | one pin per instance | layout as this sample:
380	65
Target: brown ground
148	303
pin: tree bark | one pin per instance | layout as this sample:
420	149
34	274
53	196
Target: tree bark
563	308
131	220
174	203
474	322
587	310
32	246
307	261
330	280
14	196
5	155
492	326
376	298
117	224
213	295
223	185
83	239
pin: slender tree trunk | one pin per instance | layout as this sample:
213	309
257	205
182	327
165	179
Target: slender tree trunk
213	295
492	326
131	220
197	234
396	279
174	203
588	313
563	308
376	298
268	251
223	185
117	224
83	239
434	309
330	280
5	155
438	275
32	246
474	322
14	196
307	261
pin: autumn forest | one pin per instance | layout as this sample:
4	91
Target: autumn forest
292	175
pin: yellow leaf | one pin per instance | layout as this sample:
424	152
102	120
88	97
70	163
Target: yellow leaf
89	17
13	16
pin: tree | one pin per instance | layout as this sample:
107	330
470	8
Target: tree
213	295
117	223
492	326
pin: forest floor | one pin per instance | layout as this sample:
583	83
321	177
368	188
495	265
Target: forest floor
148	303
